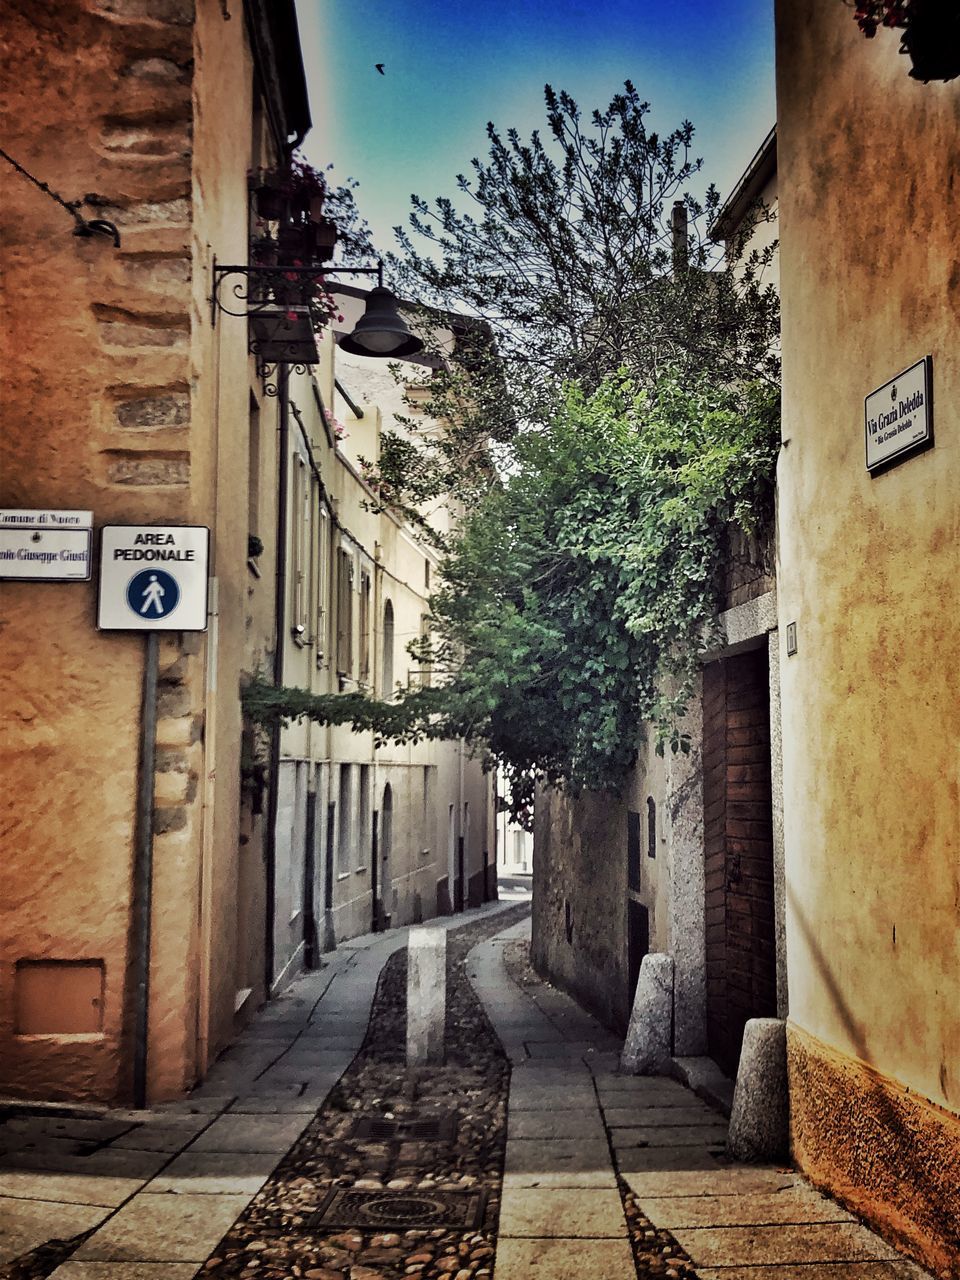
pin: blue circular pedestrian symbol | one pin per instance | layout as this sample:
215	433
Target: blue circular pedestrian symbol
153	594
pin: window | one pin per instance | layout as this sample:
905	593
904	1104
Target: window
344	618
323	582
651	827
426	670
428	820
364	827
426	574
300	566
364	627
388	642
345	833
633	850
253	468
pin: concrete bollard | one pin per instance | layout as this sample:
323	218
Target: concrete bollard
426	995
760	1118
649	1043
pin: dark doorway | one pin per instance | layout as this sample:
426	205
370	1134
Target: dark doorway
638	942
738	849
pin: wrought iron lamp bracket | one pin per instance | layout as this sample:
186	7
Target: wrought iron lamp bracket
252	290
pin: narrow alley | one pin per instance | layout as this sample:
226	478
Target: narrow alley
313	1150
479	662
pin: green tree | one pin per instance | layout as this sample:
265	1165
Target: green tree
611	408
580	252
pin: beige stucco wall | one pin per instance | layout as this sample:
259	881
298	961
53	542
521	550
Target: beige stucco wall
402	570
868	568
116	389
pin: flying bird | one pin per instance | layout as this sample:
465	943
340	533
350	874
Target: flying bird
380	68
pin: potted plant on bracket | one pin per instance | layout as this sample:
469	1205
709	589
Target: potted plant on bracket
930	32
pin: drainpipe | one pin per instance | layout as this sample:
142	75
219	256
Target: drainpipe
143	864
461	834
280	609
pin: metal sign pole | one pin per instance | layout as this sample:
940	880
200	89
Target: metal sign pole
143	863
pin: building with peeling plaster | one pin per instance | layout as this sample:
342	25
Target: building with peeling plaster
803	861
129	395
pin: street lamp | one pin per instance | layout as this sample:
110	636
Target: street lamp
380	332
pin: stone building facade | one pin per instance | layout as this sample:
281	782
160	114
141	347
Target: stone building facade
126	394
120	397
869	573
617	878
802	862
365	836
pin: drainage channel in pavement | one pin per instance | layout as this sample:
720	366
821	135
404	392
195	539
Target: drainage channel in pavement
400	1173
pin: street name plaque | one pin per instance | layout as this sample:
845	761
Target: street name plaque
45	546
153	578
898	417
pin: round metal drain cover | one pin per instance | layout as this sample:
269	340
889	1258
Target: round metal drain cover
410	1208
345	1207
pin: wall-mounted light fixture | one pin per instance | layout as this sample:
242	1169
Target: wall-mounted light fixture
276	300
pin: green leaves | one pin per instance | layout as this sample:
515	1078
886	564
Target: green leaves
577	596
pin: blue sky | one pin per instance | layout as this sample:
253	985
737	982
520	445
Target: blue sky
452	65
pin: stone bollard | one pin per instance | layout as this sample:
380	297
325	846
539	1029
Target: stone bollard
426	995
760	1118
649	1043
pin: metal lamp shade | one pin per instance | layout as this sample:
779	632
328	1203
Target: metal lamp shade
381	330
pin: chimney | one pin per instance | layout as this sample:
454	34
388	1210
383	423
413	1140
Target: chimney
678	231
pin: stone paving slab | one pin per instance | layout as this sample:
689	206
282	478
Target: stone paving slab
634	1160
70	1127
716	1180
555	1155
630	1117
108	1162
564	1260
614	1082
163	1228
216	1173
679	1135
558	1178
151	1138
240	1133
583	1213
25	1224
899	1270
67	1188
554	1099
125	1271
558	1048
556	1124
796	1205
781	1245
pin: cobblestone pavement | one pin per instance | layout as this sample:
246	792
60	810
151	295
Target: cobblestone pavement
313	1153
148	1195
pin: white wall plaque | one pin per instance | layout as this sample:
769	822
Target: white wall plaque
153	578
46	546
898	417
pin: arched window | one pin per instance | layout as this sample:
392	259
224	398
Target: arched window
387	649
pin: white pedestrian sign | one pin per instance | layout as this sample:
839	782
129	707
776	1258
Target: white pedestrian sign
153	578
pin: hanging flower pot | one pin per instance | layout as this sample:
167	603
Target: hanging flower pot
931	32
315	211
931	39
283	335
272	203
294	242
324	238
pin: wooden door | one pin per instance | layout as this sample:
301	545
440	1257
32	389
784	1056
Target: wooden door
738	848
